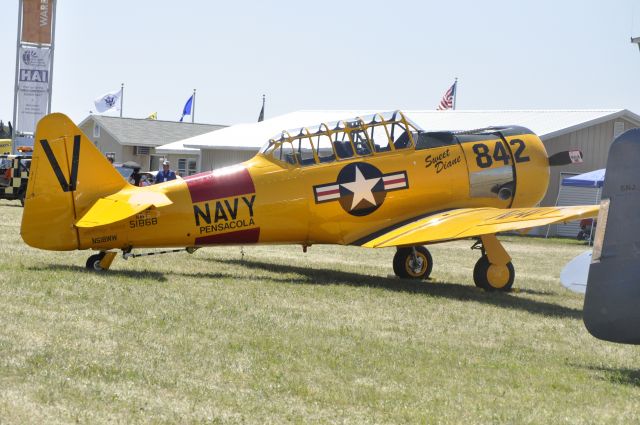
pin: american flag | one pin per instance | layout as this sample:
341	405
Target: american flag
448	98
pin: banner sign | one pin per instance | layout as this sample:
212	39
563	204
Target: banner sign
33	87
36	21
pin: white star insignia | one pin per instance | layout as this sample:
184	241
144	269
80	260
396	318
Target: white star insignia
362	189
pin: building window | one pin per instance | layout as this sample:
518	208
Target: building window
618	128
187	166
111	156
96	131
141	150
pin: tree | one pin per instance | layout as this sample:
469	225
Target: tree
5	133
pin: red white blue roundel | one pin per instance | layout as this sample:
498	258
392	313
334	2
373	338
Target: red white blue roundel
360	188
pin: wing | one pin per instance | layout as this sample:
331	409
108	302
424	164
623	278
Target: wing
121	205
468	222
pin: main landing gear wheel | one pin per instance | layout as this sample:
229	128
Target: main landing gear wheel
493	277
93	263
412	263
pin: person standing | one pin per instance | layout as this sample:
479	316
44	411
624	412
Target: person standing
135	177
166	174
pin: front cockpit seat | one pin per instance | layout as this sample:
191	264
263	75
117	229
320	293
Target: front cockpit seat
343	149
403	141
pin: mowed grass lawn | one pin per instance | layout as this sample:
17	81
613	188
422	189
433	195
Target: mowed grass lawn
287	337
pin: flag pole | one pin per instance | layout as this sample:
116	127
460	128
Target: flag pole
455	93
261	116
52	46
15	82
121	97
193	107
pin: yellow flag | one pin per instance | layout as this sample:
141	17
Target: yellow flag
153	116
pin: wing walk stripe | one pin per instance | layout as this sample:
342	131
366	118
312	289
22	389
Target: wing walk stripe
427	224
363	240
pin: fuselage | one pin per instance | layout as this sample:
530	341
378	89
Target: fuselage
329	195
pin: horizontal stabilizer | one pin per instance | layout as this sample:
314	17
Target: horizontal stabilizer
121	205
468	222
575	273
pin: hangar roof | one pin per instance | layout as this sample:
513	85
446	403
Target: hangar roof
545	123
144	132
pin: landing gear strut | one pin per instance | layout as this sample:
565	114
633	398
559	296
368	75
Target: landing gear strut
412	263
493	271
101	261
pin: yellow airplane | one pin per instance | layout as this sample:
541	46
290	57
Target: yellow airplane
374	181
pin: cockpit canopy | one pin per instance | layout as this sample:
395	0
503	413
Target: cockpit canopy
344	139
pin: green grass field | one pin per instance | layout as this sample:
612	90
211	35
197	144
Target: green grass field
286	337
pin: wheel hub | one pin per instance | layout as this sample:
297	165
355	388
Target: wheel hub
498	276
416	263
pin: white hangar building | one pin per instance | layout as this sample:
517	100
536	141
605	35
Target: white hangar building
590	130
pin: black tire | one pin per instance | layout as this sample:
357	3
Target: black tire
93	262
490	278
405	266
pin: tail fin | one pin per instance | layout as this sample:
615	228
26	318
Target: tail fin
612	300
68	174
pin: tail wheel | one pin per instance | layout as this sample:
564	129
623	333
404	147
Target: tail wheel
412	263
93	262
493	277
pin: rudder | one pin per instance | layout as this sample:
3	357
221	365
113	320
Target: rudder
612	300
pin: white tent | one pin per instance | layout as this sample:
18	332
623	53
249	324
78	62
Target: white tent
545	123
581	189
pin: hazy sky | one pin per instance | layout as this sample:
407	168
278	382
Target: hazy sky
554	54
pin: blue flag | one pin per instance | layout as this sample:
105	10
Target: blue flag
187	108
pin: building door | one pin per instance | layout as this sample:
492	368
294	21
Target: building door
155	162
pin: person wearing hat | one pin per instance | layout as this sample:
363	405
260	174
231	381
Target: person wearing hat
166	174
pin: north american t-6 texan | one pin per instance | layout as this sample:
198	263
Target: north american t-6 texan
373	181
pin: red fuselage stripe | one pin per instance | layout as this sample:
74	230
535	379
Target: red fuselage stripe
400	180
234	238
328	192
209	186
